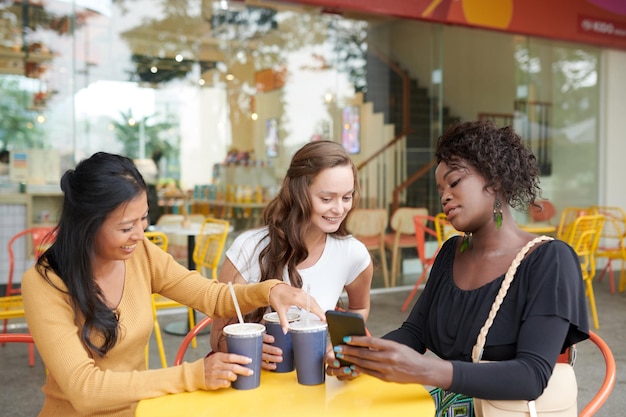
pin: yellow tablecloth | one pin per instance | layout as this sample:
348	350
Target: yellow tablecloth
280	395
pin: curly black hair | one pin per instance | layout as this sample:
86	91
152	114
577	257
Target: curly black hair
498	154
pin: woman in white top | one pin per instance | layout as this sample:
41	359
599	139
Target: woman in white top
304	240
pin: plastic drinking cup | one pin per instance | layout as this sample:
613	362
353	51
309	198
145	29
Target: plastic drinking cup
309	347
246	339
281	340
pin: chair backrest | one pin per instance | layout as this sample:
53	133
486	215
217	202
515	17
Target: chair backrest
614	230
402	219
158	238
424	226
610	375
568	215
180	355
40	239
16	338
366	222
210	244
583	237
444	228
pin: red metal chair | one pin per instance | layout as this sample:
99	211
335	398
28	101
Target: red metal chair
16	338
422	230
20	338
182	349
609	377
40	239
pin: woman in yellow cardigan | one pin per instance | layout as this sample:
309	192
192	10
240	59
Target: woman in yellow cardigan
88	299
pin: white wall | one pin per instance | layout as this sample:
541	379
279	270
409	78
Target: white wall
613	129
205	134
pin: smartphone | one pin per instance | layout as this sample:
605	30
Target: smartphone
342	324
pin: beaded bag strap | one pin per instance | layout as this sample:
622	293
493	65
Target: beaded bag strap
477	351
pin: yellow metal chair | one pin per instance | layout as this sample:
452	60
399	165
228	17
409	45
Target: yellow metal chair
402	236
159	302
210	245
369	225
612	244
444	228
208	251
584	235
567	218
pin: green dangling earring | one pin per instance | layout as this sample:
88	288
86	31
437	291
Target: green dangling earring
466	242
497	213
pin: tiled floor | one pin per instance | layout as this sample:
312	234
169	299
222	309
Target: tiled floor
21	394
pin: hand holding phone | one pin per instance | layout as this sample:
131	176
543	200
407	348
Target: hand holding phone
342	324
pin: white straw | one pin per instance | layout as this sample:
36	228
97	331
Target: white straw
308	302
232	292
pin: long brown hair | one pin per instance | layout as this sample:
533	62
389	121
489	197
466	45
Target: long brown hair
289	213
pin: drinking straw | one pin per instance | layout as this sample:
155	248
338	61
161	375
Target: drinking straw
308	302
232	292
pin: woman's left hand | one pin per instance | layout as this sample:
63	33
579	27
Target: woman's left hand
383	359
283	296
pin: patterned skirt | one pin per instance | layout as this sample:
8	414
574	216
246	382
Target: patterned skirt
451	404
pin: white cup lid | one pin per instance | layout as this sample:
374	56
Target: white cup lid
244	329
307	326
273	317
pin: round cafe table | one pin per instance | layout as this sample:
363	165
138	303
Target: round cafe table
280	394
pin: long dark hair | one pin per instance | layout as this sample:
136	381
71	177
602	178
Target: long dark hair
95	188
288	214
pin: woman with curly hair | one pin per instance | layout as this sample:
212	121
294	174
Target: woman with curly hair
483	171
304	240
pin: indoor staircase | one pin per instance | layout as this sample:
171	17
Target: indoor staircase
411	110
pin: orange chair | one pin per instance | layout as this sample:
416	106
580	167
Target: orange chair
40	239
182	349
402	236
16	338
369	226
422	231
193	333
609	377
